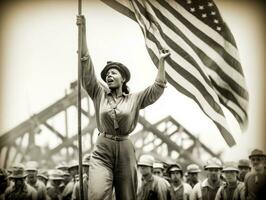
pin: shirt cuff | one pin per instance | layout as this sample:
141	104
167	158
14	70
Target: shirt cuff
161	84
84	58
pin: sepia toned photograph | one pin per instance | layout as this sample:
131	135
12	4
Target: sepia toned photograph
136	99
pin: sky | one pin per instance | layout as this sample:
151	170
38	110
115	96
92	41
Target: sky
38	61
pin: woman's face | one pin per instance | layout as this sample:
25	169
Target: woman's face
114	79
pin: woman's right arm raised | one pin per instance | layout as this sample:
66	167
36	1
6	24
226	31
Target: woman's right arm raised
89	80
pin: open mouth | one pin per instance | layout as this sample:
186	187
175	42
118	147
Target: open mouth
110	80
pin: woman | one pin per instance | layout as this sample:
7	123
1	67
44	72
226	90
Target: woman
113	161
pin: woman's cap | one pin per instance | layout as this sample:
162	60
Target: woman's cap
119	66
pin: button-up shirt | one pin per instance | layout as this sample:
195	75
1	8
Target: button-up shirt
204	191
182	192
126	107
25	192
231	192
255	185
153	189
41	190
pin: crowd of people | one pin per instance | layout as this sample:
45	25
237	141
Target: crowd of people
242	180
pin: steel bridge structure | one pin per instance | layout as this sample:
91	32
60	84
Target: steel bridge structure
50	136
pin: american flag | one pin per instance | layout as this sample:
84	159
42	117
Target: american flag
204	63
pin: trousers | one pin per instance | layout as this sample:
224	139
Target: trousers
113	165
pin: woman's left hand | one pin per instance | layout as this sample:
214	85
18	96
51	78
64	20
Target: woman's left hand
164	53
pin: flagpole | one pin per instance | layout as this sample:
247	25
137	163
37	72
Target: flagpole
81	193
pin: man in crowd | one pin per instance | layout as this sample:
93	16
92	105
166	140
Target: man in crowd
208	188
54	185
3	183
20	189
86	165
152	187
244	168
42	176
232	189
255	181
193	171
64	167
73	170
31	170
158	169
179	190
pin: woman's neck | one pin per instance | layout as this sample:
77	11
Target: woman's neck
116	92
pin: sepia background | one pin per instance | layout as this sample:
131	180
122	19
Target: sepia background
38	61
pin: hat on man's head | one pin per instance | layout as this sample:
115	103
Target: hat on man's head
31	166
18	171
230	166
86	159
244	163
119	66
158	165
43	173
62	166
146	160
86	163
3	173
193	168
56	174
73	164
256	152
213	163
173	167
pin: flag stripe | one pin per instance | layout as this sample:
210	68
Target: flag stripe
122	6
207	61
174	6
204	64
194	38
189	71
171	43
223	79
197	97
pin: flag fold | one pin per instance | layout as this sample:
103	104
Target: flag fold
204	63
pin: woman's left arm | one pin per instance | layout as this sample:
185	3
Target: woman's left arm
153	92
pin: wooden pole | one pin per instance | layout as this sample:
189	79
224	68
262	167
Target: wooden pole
81	193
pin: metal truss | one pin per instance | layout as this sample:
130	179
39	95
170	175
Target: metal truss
50	137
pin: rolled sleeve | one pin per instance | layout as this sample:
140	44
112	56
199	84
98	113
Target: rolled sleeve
89	80
150	94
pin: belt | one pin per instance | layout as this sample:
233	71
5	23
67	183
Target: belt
114	137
